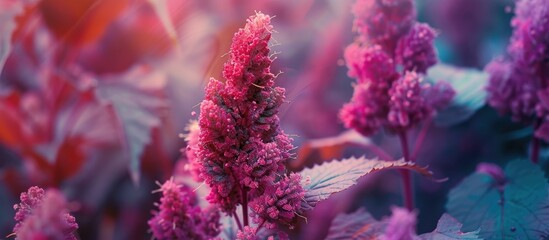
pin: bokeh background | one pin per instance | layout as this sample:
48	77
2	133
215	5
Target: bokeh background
95	96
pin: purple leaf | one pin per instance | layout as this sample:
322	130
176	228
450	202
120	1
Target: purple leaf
137	99
357	225
10	9
449	228
321	181
469	86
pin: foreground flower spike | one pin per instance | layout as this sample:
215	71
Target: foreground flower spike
180	217
401	225
241	146
44	215
281	203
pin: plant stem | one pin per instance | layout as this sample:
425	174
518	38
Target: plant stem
245	205
406	177
421	138
534	154
237	220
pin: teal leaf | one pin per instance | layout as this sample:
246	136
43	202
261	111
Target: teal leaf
518	209
469	86
448	228
321	181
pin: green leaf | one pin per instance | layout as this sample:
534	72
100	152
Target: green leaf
448	228
516	210
469	85
321	181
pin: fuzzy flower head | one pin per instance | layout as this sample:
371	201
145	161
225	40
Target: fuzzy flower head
367	111
179	217
511	90
416	51
248	233
401	225
388	61
44	215
530	40
281	203
369	64
516	82
383	22
193	163
241	145
408	105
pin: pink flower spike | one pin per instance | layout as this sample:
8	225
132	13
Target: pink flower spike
44	215
241	146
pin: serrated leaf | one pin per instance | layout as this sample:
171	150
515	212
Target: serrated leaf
137	99
10	9
469	86
517	210
357	225
321	181
448	228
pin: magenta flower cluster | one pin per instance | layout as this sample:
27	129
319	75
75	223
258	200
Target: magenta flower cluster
241	146
43	215
388	61
193	164
180	217
280	204
519	83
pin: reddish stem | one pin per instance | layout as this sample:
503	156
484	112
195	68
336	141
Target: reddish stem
245	205
420	138
406	177
534	154
237	220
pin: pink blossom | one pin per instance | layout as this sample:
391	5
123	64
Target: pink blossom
511	90
415	51
408	105
44	215
179	216
367	111
383	22
515	83
248	233
401	225
369	64
193	164
280	203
